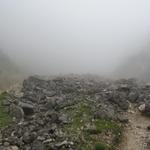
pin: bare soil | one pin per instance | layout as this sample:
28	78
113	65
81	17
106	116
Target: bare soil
136	132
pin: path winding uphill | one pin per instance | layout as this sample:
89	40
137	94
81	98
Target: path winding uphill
136	134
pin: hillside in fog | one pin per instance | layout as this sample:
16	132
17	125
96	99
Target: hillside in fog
8	70
137	66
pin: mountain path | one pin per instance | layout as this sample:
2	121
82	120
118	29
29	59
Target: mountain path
136	132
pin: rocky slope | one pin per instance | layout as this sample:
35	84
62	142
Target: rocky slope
71	113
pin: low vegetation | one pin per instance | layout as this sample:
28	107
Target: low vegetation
5	119
90	133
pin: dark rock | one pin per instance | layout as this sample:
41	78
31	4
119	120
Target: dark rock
148	128
52	116
133	96
14	140
105	112
29	137
51	103
147	109
120	99
27	108
122	118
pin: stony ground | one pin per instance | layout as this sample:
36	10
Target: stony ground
75	113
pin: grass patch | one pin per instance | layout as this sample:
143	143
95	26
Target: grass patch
5	119
90	138
104	126
3	96
79	114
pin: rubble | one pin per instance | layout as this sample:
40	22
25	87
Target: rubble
47	107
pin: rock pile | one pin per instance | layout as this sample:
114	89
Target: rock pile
39	116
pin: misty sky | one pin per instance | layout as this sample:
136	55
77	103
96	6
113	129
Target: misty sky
73	36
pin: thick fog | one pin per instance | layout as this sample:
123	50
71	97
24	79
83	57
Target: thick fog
73	36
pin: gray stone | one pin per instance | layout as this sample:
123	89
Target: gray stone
133	96
37	145
6	144
16	112
63	118
9	148
105	112
142	108
51	103
122	118
27	108
28	137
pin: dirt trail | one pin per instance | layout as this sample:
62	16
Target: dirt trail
136	133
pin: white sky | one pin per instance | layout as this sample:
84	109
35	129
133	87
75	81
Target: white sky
79	36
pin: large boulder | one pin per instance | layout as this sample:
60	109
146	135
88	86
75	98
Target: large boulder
27	108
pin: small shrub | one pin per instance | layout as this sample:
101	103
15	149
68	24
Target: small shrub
100	146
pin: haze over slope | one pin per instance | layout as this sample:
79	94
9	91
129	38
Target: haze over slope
8	70
136	66
81	36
